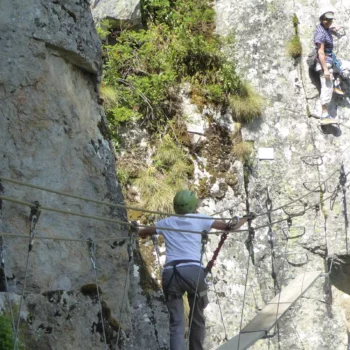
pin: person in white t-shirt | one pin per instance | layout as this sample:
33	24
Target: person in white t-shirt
183	270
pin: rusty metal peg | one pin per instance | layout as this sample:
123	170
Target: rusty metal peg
315	189
293	213
313	160
298	264
287	230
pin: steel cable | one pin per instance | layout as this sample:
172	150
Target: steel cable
92	248
204	242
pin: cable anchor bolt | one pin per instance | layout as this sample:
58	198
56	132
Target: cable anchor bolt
33	218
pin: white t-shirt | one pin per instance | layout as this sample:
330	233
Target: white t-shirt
184	245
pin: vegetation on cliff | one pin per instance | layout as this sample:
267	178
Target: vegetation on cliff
144	70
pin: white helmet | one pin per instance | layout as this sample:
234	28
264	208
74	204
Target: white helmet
327	12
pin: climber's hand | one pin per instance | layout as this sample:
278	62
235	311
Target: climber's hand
250	216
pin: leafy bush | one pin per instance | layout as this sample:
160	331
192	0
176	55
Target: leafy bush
144	69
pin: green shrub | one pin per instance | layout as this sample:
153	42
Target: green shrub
246	105
6	333
145	68
294	48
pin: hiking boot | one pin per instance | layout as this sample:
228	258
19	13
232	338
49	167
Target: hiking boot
326	120
329	120
339	91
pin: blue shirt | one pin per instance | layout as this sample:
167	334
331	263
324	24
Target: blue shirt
324	36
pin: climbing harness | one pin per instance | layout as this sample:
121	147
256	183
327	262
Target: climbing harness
92	250
33	218
133	231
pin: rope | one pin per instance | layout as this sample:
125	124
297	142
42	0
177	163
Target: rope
130	254
7	234
92	248
2	264
86	199
342	183
34	217
217	301
204	242
244	296
114	221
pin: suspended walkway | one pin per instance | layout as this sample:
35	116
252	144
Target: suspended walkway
261	324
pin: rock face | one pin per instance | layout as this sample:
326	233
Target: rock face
118	12
305	157
51	132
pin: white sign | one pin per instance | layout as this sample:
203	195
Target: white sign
266	153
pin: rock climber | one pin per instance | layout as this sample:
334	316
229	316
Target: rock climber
329	67
183	269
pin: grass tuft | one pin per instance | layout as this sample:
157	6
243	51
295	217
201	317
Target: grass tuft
243	150
109	96
294	48
247	105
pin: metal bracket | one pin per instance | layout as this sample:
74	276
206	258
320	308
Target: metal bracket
288	229
306	185
313	160
33	218
268	201
342	176
297	264
294	213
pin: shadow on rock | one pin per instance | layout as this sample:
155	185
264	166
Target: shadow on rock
330	130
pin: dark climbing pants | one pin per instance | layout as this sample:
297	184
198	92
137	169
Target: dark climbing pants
176	287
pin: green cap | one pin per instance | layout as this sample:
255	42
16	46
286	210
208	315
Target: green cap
185	202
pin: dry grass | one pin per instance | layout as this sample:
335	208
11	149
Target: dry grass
109	96
242	150
247	105
294	48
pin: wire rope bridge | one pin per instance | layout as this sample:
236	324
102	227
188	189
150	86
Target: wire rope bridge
261	324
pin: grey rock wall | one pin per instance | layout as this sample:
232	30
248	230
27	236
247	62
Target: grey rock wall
51	135
118	12
262	29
